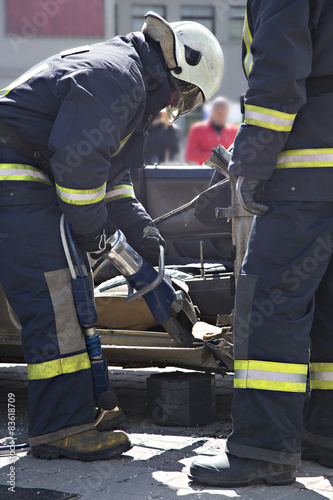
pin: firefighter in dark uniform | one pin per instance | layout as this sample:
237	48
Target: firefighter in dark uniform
83	114
283	157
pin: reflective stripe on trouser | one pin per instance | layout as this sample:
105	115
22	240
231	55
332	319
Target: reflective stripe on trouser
321	376
275	311
36	280
268	376
319	411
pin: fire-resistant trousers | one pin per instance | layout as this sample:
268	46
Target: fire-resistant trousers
283	320
36	280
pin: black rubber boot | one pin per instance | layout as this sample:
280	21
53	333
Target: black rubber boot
324	456
230	471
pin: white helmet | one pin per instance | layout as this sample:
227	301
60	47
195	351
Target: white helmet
194	57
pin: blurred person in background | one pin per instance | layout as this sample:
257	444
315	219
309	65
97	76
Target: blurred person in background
163	140
206	135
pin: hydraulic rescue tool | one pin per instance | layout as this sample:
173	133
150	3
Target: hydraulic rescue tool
171	309
241	218
105	398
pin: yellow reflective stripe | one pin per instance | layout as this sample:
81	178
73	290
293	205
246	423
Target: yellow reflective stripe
305	158
56	367
23	78
271	366
122	144
321	376
324	385
271	112
120	191
247	38
270	385
81	196
269	118
270	376
321	367
20	172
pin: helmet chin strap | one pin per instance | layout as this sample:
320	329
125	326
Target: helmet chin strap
172	85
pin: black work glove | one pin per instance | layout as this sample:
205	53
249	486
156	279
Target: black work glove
146	241
95	242
250	195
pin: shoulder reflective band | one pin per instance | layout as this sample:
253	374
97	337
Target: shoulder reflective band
19	172
269	376
23	78
120	191
81	196
321	376
269	118
56	367
122	144
247	39
305	158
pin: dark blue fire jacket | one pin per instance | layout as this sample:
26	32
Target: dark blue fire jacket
287	137
87	111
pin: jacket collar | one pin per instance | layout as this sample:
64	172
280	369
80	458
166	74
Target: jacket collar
154	74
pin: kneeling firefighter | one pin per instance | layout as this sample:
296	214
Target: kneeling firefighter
71	128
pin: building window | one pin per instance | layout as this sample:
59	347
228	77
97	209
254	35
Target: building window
236	23
73	18
138	12
203	15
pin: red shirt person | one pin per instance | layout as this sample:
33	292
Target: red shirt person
204	136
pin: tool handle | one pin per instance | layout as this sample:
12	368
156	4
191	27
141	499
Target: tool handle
150	286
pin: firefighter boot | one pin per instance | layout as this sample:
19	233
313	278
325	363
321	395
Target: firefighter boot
109	420
230	471
88	446
323	456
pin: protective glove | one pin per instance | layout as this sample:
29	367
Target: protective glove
250	195
146	241
95	242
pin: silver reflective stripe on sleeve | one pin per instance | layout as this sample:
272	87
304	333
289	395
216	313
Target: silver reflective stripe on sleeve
81	196
23	78
305	158
119	192
247	39
19	172
269	118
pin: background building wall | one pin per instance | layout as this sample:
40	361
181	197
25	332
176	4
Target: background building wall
20	51
31	30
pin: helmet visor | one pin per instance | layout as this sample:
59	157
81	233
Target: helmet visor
190	98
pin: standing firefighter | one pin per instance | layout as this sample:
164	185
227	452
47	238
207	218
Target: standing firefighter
284	159
82	115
